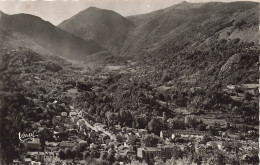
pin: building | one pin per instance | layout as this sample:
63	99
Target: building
56	120
213	121
131	138
200	148
143	131
80	114
190	132
27	161
51	144
32	145
127	152
234	136
81	122
83	143
118	127
92	134
37	156
149	153
67	144
50	157
74	119
99	126
64	114
71	107
16	162
83	128
93	146
73	114
67	126
72	132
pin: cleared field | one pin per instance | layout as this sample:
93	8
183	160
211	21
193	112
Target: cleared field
112	68
251	86
182	110
72	90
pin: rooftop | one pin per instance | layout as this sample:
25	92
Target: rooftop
150	149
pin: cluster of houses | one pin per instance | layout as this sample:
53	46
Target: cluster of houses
74	129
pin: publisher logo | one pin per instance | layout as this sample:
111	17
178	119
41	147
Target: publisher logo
25	137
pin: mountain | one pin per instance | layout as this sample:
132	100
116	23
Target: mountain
106	27
174	61
192	25
197	43
47	36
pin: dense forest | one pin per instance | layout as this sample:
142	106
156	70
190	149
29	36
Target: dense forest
31	83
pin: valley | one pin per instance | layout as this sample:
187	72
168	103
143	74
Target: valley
178	85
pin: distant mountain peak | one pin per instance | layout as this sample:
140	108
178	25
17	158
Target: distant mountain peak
184	2
108	28
96	10
1	13
93	8
49	37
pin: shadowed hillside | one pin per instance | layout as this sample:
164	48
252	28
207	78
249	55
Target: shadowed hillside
106	27
48	36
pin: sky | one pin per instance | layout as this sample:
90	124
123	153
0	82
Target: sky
55	11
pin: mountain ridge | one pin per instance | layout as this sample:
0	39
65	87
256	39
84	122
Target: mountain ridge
106	27
186	21
49	36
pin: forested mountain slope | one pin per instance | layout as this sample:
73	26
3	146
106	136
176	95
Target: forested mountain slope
106	27
48	36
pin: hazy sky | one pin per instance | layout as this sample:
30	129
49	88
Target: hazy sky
55	11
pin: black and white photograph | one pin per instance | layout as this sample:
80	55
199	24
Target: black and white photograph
129	82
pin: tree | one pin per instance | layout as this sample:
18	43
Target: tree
68	153
213	130
191	121
61	154
155	126
77	153
218	159
176	124
182	161
135	162
116	163
201	127
86	154
110	157
150	140
246	96
103	156
93	154
91	110
118	158
253	158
